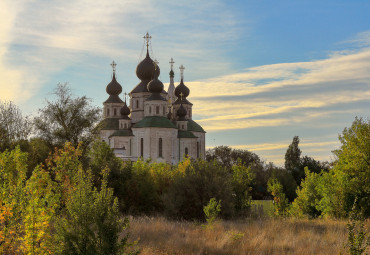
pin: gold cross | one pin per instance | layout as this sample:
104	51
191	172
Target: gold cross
147	38
181	95
114	66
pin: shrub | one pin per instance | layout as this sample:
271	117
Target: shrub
212	210
281	203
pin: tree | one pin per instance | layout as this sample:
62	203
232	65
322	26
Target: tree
308	196
67	118
293	160
14	127
353	164
192	189
242	182
281	203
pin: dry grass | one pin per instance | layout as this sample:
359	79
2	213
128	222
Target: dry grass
264	236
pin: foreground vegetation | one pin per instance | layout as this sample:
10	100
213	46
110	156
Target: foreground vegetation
64	192
159	235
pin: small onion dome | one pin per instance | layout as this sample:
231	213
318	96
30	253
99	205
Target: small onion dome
172	74
145	70
181	113
125	111
169	115
155	86
181	88
114	88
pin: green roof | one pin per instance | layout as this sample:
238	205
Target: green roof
195	127
154	121
110	124
186	134
122	132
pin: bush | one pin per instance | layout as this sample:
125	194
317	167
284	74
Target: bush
194	186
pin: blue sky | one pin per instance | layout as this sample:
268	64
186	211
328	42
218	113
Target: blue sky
260	72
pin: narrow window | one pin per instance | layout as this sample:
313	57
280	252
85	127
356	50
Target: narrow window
182	126
198	149
160	148
107	112
115	111
150	109
164	110
157	109
137	103
125	125
186	151
142	147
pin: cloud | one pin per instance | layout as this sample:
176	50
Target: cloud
42	38
282	94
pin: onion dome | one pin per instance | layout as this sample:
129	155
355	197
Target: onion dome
181	113
114	88
155	86
145	70
181	88
125	111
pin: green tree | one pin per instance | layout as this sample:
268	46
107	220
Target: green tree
308	196
242	182
13	200
281	203
194	186
293	160
212	210
353	164
40	213
67	119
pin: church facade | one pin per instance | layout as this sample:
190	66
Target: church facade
157	124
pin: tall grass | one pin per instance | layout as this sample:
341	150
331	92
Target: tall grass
260	236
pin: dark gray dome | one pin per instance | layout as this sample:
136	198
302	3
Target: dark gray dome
181	88
114	88
125	111
155	86
181	113
145	69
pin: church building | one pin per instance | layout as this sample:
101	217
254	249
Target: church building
157	124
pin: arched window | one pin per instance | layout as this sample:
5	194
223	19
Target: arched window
125	125
115	111
164	110
157	109
142	147
107	112
137	103
160	148
150	109
186	151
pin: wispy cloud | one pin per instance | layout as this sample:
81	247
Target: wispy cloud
42	38
282	94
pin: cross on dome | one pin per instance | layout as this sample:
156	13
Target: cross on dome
182	68
147	38
172	62
114	66
181	95
125	96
